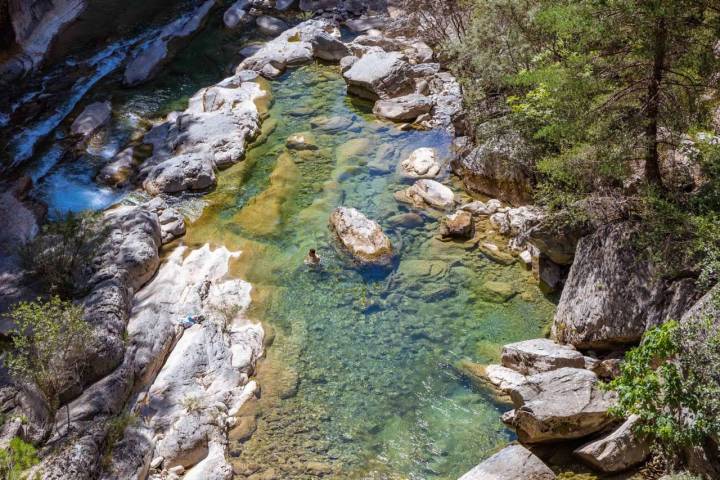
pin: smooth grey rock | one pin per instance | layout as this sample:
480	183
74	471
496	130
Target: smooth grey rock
283	5
270	25
560	404
482	208
540	355
427	193
514	462
93	117
611	295
329	48
236	13
403	109
148	58
617	451
361	237
380	75
331	124
188	171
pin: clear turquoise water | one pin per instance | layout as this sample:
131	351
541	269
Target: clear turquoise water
374	352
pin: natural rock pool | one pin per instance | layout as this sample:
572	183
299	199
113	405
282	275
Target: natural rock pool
360	380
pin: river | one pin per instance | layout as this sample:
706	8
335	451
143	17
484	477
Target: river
360	380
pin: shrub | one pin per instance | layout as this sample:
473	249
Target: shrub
670	381
49	339
59	258
18	457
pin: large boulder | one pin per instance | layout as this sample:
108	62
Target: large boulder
380	75
540	355
148	59
501	166
514	462
425	193
617	451
403	109
612	295
189	171
360	236
92	117
561	404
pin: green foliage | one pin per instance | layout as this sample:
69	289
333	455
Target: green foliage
18	457
116	430
49	339
670	382
60	257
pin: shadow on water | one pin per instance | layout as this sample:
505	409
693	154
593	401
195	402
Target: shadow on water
360	381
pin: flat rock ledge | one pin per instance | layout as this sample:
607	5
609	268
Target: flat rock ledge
513	462
361	237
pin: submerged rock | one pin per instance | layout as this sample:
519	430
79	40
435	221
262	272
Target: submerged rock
236	13
427	193
360	236
120	169
514	462
270	25
302	141
497	292
93	117
422	163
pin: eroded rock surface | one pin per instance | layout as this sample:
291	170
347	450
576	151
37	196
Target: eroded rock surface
557	405
540	355
617	451
612	294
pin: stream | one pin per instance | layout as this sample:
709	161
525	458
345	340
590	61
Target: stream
360	379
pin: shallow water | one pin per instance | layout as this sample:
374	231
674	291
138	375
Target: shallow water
360	377
370	353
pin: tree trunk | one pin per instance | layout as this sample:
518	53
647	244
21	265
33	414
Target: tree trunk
652	107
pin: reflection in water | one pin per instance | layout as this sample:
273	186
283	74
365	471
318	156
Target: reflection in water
359	382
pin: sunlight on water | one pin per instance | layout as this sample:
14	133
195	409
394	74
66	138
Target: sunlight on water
371	354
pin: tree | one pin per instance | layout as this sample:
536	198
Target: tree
598	84
49	340
61	256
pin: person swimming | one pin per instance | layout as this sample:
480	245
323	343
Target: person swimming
312	259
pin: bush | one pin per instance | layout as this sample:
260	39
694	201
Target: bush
60	257
49	339
18	457
670	381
